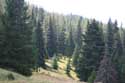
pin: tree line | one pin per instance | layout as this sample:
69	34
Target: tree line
29	35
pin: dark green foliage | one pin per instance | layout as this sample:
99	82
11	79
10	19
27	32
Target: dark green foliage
17	52
118	50
119	58
34	17
55	62
110	38
40	46
51	38
70	43
79	33
78	43
75	56
62	40
40	39
68	67
114	46
92	77
2	36
106	72
82	72
92	51
10	76
23	39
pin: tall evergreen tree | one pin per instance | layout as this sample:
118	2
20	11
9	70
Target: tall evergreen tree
117	43
92	51
55	62
70	42
40	39
75	56
18	38
78	42
122	59
2	36
114	45
62	39
51	38
106	72
79	33
68	67
118	48
110	38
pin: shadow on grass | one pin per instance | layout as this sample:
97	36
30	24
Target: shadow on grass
48	68
69	75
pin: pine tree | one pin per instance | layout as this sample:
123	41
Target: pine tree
110	38
55	62
92	50
75	56
2	36
70	42
40	39
118	57
118	45
61	40
106	72
18	38
68	67
34	17
79	33
78	42
92	77
51	38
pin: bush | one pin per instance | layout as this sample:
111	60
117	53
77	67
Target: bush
92	77
10	76
68	67
55	62
24	70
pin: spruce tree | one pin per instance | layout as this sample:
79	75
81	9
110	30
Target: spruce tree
78	42
2	36
51	38
40	39
75	56
70	42
79	33
62	39
92	51
110	38
92	77
18	38
119	51
106	72
55	62
68	67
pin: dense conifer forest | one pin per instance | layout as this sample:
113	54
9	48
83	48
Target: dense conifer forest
30	35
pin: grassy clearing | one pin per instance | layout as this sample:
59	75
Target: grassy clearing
5	75
19	78
43	76
62	62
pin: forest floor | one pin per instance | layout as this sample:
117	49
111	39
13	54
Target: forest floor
43	76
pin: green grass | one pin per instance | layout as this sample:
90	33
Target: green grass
18	78
4	75
62	62
43	76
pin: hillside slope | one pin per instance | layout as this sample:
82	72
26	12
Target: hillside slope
35	78
43	76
